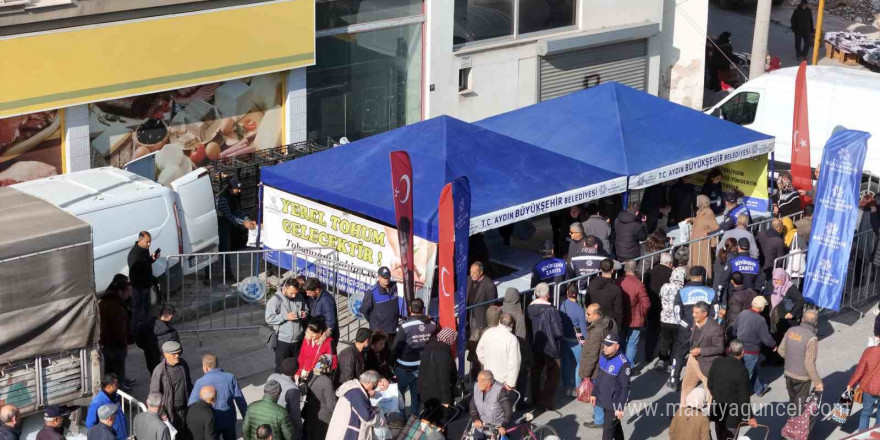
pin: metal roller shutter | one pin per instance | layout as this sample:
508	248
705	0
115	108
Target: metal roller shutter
626	63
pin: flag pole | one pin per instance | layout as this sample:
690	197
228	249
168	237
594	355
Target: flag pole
817	37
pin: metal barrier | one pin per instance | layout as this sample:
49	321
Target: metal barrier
231	293
131	407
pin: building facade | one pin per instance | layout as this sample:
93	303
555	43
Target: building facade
102	82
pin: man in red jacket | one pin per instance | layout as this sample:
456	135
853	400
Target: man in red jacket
635	308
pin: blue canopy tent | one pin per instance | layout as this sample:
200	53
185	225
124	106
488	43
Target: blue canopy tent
630	132
510	180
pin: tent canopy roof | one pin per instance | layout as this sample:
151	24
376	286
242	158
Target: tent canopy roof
630	132
506	175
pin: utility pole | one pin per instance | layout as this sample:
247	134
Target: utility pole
818	38
759	40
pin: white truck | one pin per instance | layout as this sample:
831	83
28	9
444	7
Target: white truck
119	204
836	96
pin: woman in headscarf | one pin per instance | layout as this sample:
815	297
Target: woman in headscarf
787	304
320	400
669	324
703	224
438	375
786	201
691	421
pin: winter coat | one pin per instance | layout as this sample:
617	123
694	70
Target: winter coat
267	411
101	432
728	382
598	227
161	383
772	247
382	308
200	422
437	374
682	201
607	294
318	409
353	417
546	328
635	302
740	299
119	423
351	364
689	424
512	306
611	384
165	332
592	348
751	328
311	351
479	292
50	433
629	231
700	253
802	21
789	203
736	234
140	267
149	426
498	351
115	327
324	308
228	395
866	375
277	309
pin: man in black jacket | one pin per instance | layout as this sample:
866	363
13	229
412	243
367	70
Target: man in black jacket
406	350
480	288
53	416
171	379
546	332
200	416
772	246
629	231
437	372
802	26
140	274
351	360
728	382
605	292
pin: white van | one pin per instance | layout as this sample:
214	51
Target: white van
119	204
836	96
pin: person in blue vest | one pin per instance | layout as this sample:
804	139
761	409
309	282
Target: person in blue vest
733	210
550	269
382	307
588	261
693	292
749	267
611	386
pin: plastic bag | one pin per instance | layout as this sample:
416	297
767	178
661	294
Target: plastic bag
381	431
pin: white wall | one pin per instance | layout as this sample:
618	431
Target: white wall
76	138
295	106
505	73
682	59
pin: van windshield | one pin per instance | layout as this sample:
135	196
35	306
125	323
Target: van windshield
741	109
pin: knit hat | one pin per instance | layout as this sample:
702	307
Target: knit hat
447	336
288	366
272	389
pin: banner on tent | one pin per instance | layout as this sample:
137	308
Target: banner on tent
290	221
750	177
556	202
702	163
837	198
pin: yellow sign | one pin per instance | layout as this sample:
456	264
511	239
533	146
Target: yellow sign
750	177
95	63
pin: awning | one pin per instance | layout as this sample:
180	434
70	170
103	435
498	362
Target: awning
630	132
510	180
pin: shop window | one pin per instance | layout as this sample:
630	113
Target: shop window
542	15
477	20
365	83
340	13
741	109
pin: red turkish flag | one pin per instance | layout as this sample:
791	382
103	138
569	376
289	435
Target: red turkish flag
446	259
402	189
801	173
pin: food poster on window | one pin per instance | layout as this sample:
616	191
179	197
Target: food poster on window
189	127
750	177
30	146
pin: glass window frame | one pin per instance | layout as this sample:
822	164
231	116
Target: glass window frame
516	35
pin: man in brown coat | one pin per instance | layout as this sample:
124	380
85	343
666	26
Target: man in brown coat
707	344
600	326
115	328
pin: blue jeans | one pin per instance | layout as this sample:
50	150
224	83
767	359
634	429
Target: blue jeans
598	415
751	362
632	344
571	362
409	380
869	408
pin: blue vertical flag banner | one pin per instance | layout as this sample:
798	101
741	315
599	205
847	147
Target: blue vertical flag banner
461	196
834	221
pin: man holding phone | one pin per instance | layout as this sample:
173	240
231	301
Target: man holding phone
140	273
